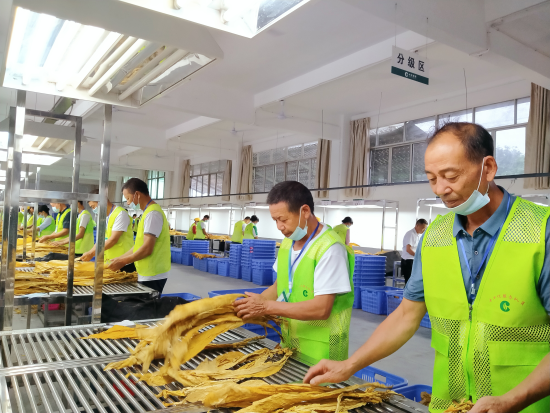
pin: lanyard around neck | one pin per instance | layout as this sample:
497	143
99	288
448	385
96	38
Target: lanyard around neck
147	205
290	263
472	294
112	209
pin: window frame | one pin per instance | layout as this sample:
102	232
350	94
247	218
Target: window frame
208	176
156	176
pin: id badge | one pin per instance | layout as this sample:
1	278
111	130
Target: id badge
283	298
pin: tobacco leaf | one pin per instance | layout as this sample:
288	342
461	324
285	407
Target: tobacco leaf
463	406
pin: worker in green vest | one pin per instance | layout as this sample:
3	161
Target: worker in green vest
151	251
251	231
343	229
62	223
118	234
192	229
314	290
20	218
85	232
201	228
238	230
45	223
482	273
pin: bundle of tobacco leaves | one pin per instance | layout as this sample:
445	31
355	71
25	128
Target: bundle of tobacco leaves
203	256
183	335
256	396
460	407
426	398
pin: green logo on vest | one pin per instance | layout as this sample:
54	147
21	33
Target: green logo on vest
505	306
305	293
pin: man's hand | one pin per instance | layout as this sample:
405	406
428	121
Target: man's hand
490	404
57	243
328	371
117	264
253	306
43	239
87	256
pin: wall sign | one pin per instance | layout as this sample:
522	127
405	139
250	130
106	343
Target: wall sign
409	65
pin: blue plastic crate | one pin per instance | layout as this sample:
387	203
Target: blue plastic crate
239	291
262	277
203	265
372	374
185	296
370	258
263	264
274	275
357	297
186	258
246	273
426	322
175	255
235	271
223	267
393	299
413	392
374	300
212	265
196	263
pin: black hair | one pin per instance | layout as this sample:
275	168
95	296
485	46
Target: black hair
293	193
421	221
477	142
135	215
206	217
81	203
44	208
246	217
254	218
347	220
134	185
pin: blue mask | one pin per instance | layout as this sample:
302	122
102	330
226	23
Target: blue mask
475	202
96	210
54	209
133	206
299	233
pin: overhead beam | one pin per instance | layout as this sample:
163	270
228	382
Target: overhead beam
189	126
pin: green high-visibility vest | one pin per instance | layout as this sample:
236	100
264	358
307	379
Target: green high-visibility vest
86	243
20	218
319	339
249	231
126	240
489	348
190	235
200	233
30	220
39	221
341	230
159	261
238	232
59	223
50	229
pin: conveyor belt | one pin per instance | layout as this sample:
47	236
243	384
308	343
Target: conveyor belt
51	370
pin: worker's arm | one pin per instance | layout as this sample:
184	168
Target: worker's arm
347	237
271	292
61	233
111	241
409	250
142	252
80	235
256	305
394	331
535	387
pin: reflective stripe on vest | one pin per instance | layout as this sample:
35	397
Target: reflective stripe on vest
249	231
238	232
341	230
200	232
125	241
490	349
59	223
317	339
86	243
159	261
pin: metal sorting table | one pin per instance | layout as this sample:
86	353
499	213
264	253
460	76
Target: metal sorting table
51	370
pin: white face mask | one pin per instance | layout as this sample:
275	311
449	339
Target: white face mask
299	233
476	201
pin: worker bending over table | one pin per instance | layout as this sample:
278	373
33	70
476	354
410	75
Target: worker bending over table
313	291
151	251
343	229
482	271
84	236
201	228
238	230
62	223
251	231
119	238
45	223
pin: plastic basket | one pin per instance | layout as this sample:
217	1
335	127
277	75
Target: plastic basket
246	273
372	374
223	268
373	299
239	291
235	271
357	297
175	255
426	322
393	299
196	262
413	392
186	258
203	265
185	296
274	275
262	277
212	265
263	264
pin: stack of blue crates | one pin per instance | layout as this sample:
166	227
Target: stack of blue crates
189	246
223	267
394	298
262	271
175	254
212	265
370	271
274	275
235	253
203	265
254	249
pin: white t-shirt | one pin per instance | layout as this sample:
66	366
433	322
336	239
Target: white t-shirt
331	274
203	225
153	225
244	226
84	219
411	238
121	223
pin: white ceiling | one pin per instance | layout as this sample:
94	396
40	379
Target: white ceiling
330	56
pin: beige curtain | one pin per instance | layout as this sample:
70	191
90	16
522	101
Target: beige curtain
186	179
537	139
358	159
111	190
244	182
226	186
322	175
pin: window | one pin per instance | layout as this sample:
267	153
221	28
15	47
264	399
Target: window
207	179
155	182
397	153
293	163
